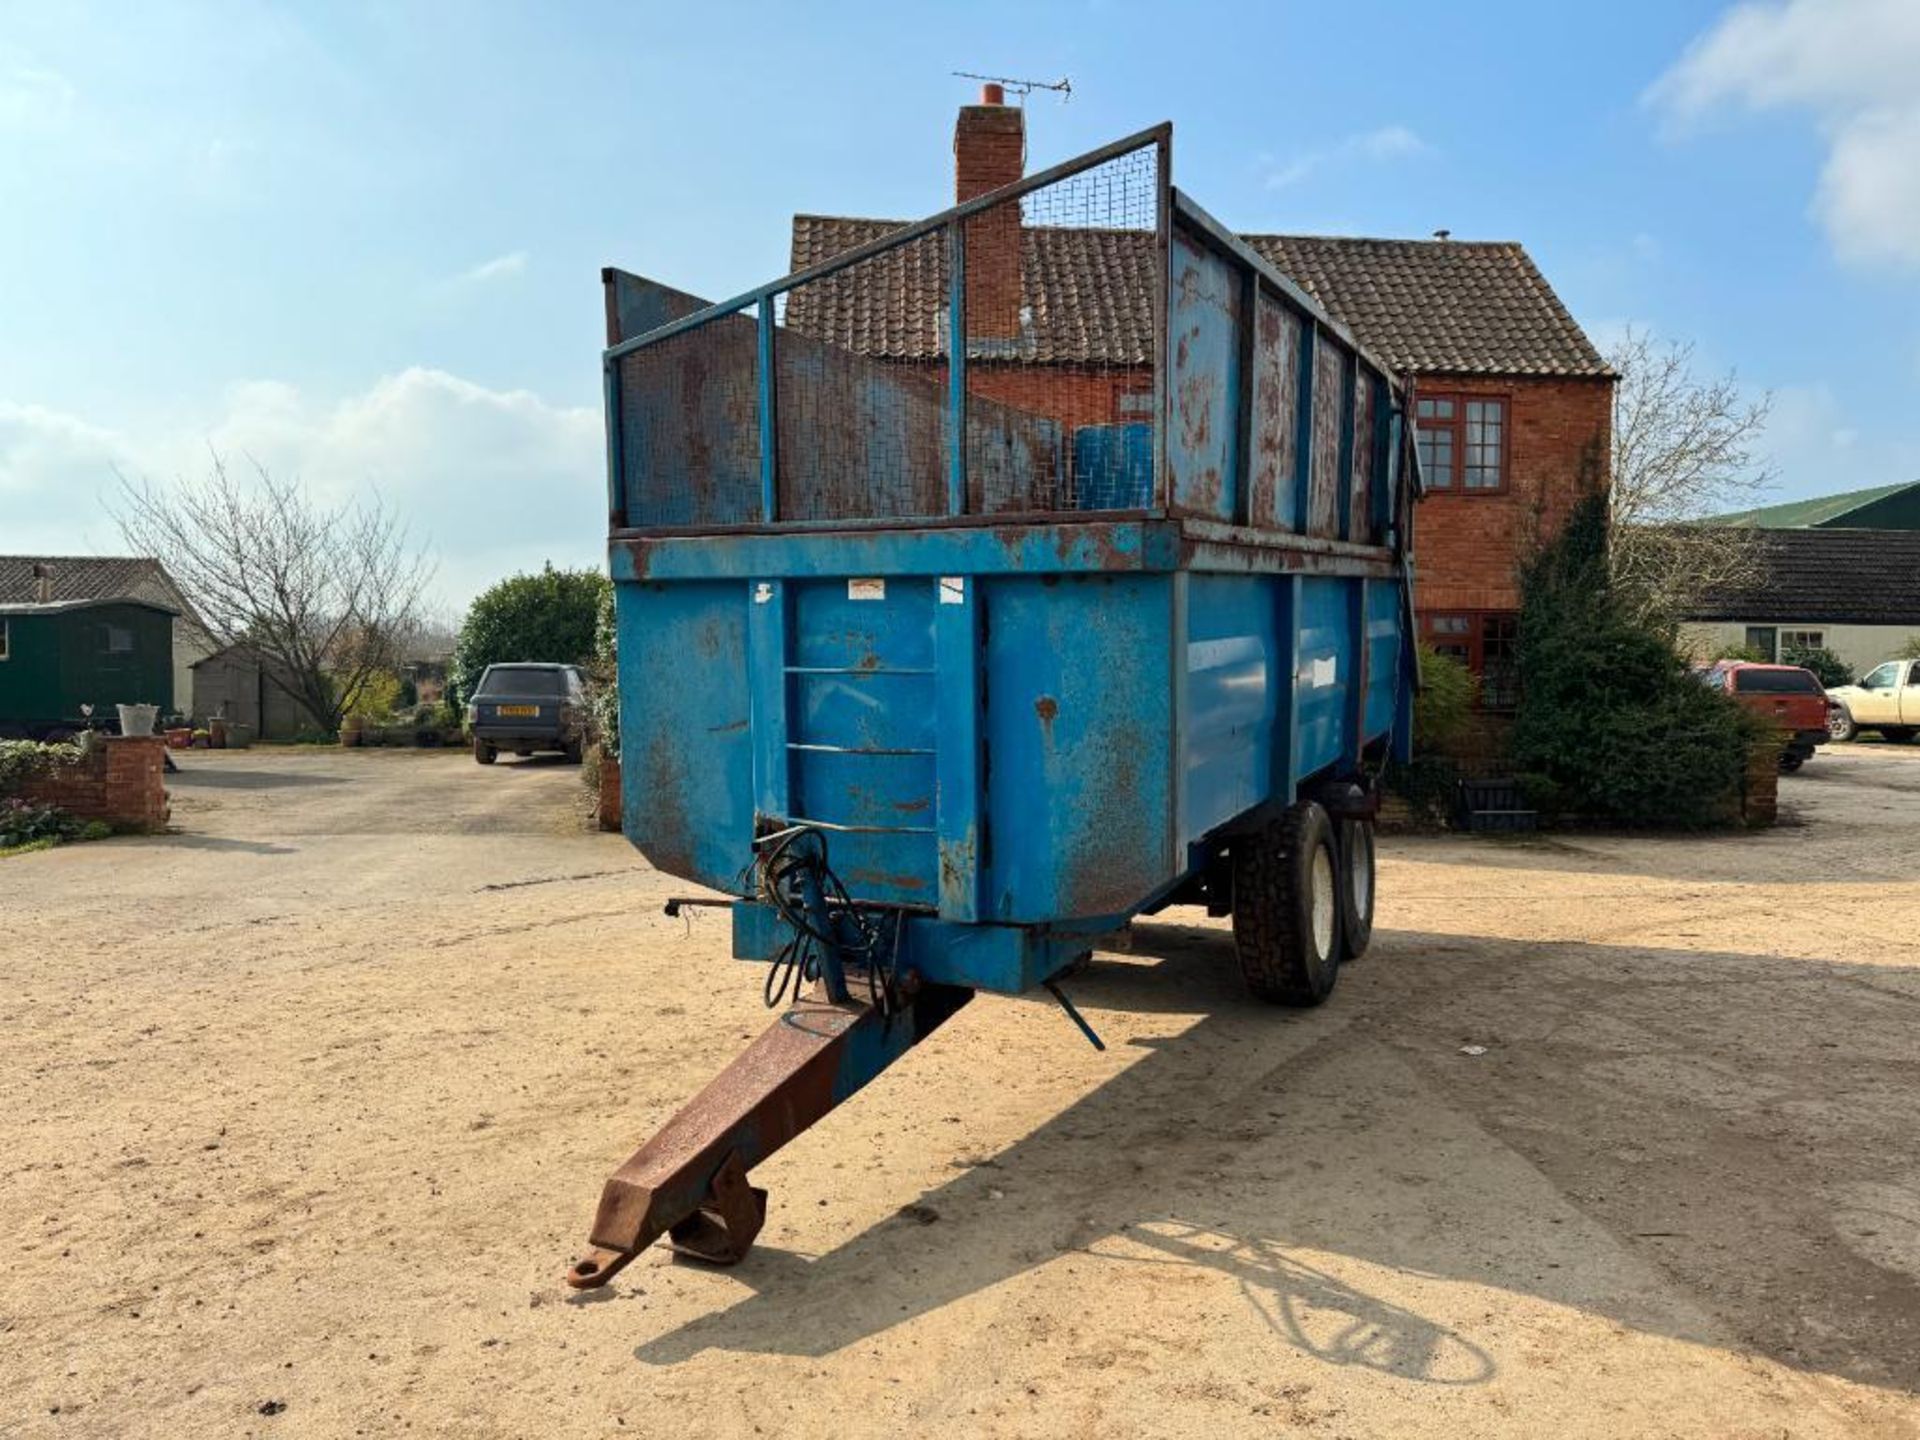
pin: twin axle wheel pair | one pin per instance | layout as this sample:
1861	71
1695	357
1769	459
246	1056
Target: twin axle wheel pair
1302	903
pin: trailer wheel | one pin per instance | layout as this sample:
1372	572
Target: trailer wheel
1356	888
1286	908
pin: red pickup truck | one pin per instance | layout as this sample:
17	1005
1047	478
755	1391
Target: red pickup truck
1788	696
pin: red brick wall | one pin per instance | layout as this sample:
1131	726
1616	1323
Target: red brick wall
119	781
1077	396
1468	548
990	150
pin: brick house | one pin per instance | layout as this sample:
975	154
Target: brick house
1514	404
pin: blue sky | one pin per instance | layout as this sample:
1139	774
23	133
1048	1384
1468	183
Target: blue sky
363	243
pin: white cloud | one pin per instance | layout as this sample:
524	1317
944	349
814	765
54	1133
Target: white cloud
492	480
1855	65
1387	143
501	267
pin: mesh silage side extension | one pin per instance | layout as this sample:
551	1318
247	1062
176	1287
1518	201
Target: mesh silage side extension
846	408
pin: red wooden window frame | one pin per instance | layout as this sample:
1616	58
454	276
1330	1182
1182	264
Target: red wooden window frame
1454	425
1466	635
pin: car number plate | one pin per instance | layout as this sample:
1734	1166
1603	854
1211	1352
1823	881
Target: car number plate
519	710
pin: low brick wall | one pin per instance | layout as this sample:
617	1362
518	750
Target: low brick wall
121	781
608	810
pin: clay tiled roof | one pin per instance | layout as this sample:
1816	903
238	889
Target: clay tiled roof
1459	307
1840	577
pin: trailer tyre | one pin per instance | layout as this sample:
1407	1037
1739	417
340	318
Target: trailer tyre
1286	908
1356	887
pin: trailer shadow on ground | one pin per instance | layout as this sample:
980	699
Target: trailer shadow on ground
1638	1117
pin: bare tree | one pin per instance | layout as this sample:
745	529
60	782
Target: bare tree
1682	450
326	596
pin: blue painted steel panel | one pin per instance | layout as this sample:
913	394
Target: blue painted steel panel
1203	443
1237	658
1323	674
959	763
1275	442
1386	650
1006	958
686	774
1079	731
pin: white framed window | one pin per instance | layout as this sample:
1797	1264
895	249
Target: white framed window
1802	640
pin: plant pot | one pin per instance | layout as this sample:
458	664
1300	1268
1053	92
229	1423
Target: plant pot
217	732
180	738
137	719
351	731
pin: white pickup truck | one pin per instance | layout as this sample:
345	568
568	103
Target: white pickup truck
1886	698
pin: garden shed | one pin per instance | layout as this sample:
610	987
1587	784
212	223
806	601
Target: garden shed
237	683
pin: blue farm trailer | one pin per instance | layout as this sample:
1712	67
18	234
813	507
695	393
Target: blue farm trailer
1001	578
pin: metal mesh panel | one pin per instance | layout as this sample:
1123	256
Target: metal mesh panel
689	427
862	405
1063	293
1061	314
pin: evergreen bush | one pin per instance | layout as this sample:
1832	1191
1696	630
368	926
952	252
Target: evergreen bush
1609	716
549	617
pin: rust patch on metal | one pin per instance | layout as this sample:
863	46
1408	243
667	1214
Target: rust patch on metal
1194	400
666	839
882	878
727	729
1103	872
1046	707
1275	402
913	807
957	861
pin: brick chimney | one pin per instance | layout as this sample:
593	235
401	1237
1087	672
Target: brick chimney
990	150
43	583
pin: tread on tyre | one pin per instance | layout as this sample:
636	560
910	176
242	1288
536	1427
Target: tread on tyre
1286	908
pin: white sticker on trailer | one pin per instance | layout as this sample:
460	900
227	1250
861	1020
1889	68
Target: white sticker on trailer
866	589
953	589
763	593
1318	674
